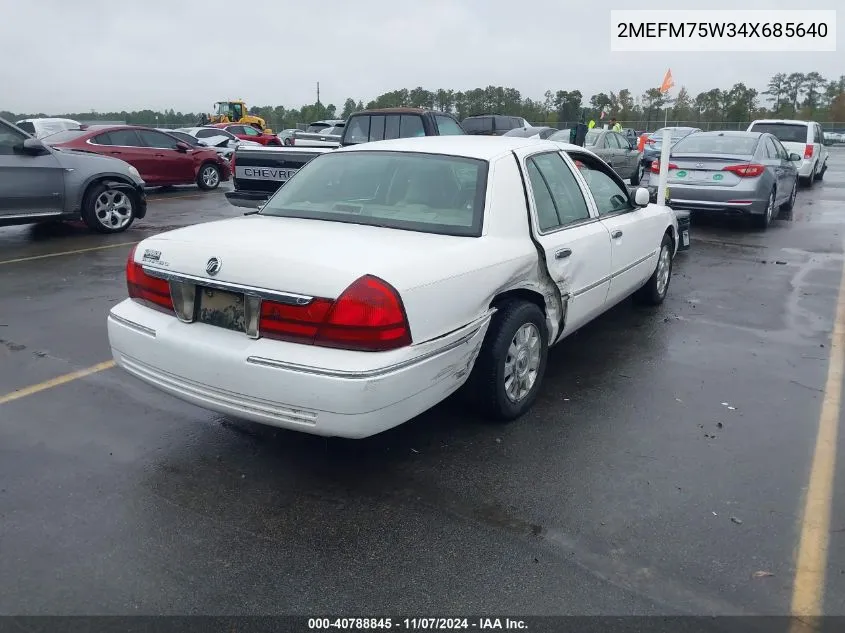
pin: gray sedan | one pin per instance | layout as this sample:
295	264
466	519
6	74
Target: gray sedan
748	173
614	149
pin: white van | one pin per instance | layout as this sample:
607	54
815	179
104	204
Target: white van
805	138
39	128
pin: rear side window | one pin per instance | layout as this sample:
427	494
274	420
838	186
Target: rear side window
784	132
557	195
208	133
410	126
819	138
478	125
124	138
376	128
447	126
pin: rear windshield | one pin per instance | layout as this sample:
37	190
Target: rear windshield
785	132
67	135
363	128
478	124
706	144
399	190
27	126
676	134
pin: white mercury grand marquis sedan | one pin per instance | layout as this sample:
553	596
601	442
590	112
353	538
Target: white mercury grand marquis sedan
384	277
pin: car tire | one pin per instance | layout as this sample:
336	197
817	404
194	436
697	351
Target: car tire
653	293
637	176
516	346
108	210
790	204
763	221
287	141
820	175
208	177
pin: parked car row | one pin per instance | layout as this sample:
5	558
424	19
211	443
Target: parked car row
98	172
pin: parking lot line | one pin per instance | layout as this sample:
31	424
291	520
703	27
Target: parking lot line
811	562
55	382
59	254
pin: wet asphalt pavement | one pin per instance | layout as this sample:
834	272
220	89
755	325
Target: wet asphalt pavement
631	488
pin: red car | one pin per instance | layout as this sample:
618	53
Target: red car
248	133
162	159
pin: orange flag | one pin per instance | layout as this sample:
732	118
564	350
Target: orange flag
667	84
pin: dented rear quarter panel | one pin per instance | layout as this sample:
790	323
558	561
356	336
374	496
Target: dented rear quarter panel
504	258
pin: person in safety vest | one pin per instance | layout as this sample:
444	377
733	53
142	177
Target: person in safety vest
591	124
616	127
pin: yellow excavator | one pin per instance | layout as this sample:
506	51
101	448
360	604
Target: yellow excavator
235	112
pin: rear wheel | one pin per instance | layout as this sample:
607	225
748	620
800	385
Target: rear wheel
820	175
789	204
763	221
287	141
507	375
655	289
209	177
108	210
639	172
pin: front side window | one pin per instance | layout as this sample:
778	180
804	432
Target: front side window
447	126
157	139
9	139
557	196
400	190
209	132
610	196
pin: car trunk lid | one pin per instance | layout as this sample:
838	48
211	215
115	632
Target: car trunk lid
300	256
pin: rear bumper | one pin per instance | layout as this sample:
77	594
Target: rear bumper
717	200
806	168
247	198
284	384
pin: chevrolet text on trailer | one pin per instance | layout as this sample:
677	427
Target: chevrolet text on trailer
385	276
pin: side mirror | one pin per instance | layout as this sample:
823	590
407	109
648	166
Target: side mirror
34	147
181	147
795	157
202	143
641	197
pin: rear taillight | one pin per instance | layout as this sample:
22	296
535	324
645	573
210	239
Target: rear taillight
809	149
368	316
232	160
655	166
150	291
746	171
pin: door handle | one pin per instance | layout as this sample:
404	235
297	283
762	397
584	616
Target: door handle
563	253
616	235
116	153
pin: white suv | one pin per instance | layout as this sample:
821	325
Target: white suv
805	138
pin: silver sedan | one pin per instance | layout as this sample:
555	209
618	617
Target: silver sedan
748	173
614	149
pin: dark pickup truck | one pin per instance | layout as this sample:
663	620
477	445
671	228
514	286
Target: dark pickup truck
259	171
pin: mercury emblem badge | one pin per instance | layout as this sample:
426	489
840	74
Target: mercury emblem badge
213	266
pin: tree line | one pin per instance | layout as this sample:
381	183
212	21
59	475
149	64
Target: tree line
794	95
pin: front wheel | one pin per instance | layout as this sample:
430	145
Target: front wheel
507	375
108	210
209	177
287	142
656	288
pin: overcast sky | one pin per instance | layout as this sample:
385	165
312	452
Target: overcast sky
111	55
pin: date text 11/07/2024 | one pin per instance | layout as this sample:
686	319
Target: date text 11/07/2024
417	624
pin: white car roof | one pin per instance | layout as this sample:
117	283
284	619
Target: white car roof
49	120
790	121
469	146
